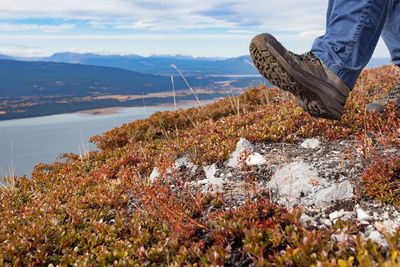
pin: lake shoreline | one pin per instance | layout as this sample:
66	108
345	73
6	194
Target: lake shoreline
114	110
109	106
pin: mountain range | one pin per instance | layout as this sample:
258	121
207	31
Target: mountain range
160	64
156	65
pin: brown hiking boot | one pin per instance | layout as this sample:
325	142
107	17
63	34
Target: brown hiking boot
318	90
392	98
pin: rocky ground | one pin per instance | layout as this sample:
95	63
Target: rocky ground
321	177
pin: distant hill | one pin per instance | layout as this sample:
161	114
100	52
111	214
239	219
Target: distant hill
68	57
161	65
5	57
19	78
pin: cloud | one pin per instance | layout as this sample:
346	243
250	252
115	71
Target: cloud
272	15
18	46
35	27
130	37
294	23
308	34
26	52
222	10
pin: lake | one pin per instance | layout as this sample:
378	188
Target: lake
27	142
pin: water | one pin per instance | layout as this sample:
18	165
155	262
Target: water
27	142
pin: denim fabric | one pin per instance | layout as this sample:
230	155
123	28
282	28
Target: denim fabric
353	28
391	31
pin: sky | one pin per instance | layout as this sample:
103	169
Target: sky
200	28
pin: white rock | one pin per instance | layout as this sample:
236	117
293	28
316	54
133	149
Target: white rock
387	226
336	214
243	147
211	183
155	174
369	228
378	238
342	237
362	215
294	181
347	216
255	159
210	171
184	162
327	222
305	218
214	181
341	214
396	214
311	143
342	191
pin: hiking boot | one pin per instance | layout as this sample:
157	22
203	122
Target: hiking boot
318	90
392	98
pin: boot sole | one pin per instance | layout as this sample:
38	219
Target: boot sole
327	104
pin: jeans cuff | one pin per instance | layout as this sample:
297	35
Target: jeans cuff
349	77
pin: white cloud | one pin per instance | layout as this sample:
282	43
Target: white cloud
18	46
130	37
313	34
272	15
35	27
26	52
295	23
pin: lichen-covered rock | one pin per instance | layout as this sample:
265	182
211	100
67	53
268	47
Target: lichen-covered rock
210	171
387	226
305	219
311	143
211	183
184	163
255	159
362	215
155	174
378	238
243	149
295	181
327	196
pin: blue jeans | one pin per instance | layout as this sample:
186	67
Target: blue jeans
353	28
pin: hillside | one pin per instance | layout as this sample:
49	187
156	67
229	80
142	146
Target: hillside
19	78
213	186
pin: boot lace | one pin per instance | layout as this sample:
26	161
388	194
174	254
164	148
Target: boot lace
308	57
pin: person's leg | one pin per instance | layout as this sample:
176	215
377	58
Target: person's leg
391	36
391	31
352	32
321	89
